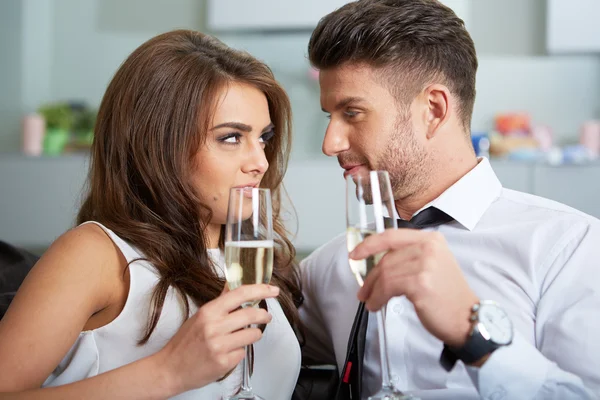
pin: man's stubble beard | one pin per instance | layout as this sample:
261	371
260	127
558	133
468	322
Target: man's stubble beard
405	160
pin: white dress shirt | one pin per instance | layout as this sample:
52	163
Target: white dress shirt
539	259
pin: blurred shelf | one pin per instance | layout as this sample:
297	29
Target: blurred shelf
40	196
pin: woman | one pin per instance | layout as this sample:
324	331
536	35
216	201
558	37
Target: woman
131	303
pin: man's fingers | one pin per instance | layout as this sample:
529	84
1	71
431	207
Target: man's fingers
395	262
393	286
369	284
391	239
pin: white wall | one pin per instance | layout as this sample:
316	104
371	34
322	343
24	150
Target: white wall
43	203
515	74
561	92
572	26
37	45
69	49
93	37
10	73
508	27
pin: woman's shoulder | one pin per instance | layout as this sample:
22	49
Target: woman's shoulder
88	246
85	256
74	280
89	233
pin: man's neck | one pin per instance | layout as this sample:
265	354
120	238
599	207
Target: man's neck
440	179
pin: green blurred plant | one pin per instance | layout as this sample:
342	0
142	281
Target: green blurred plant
84	121
58	116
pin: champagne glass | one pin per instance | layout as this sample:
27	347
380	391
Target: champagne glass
370	210
248	253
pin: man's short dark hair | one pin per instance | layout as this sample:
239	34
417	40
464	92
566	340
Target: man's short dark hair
411	42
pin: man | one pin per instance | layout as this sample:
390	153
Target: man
397	79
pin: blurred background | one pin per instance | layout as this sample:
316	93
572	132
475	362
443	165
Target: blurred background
537	113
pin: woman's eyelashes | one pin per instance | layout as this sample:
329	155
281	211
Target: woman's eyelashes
231	138
267	136
235	138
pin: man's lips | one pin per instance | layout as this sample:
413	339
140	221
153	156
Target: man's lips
351	169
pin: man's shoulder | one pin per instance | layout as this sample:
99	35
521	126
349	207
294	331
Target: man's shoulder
325	259
549	226
544	207
333	249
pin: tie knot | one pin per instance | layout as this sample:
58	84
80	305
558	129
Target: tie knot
428	218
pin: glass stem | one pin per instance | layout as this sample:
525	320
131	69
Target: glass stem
246	388
383	354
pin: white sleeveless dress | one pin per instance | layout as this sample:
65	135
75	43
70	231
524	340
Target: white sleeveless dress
277	354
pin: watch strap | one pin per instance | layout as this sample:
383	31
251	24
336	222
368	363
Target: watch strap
474	349
448	359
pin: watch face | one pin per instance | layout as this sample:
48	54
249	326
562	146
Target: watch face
496	325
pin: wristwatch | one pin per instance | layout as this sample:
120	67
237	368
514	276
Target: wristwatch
492	329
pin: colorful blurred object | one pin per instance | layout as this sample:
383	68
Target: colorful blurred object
69	126
513	124
577	154
34	128
501	146
481	144
543	135
589	136
59	121
526	154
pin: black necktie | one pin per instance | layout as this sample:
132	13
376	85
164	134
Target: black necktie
350	384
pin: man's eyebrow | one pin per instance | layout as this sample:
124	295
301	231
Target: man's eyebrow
345	101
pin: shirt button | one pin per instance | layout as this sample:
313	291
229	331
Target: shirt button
395	379
499	393
398	308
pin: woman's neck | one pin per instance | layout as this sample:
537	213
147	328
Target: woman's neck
213	233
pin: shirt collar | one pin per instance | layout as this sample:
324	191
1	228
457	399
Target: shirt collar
469	198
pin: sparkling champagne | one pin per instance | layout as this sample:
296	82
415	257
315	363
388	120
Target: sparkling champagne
360	268
248	262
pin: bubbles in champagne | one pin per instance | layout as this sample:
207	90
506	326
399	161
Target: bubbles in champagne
360	268
248	262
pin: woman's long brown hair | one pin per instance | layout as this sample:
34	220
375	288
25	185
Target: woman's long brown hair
152	120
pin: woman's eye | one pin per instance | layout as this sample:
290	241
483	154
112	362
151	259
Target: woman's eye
231	138
267	136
